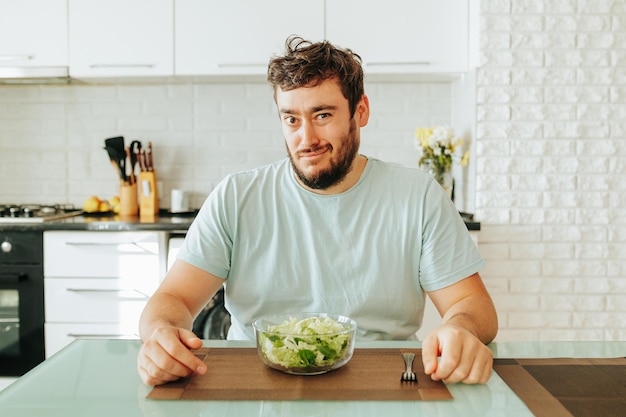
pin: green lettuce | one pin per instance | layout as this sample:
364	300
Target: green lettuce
311	342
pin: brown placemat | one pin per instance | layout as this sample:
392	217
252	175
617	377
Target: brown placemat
565	387
239	374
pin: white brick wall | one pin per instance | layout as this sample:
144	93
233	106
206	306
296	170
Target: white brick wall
551	167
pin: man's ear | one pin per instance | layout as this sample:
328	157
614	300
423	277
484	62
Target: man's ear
363	111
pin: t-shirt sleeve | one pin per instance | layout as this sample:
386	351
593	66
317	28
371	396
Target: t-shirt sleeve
209	240
448	252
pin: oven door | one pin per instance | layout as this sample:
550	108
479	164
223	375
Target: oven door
21	319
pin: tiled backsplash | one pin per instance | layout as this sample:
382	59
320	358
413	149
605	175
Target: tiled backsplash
52	137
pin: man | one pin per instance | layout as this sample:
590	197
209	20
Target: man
326	230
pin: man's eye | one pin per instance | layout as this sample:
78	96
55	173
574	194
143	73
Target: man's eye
290	120
323	115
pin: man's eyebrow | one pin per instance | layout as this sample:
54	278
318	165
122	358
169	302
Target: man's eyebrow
314	109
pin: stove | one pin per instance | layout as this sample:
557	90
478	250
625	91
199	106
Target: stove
36	213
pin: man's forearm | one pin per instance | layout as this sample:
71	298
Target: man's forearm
163	309
477	314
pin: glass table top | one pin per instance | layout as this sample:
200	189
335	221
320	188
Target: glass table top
99	378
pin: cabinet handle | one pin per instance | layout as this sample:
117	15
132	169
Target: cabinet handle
109	291
107	244
98	243
101	336
241	64
122	66
13	278
399	63
16	57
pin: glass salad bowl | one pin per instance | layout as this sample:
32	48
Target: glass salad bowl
305	343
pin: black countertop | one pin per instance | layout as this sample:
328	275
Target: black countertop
164	221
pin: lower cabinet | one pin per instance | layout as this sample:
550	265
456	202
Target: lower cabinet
96	284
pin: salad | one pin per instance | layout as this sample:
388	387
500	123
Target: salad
313	342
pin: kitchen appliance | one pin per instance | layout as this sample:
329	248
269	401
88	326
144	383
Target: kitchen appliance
36	213
21	301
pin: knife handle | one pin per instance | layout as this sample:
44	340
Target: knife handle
148	196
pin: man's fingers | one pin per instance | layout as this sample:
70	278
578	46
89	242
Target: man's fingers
153	375
166	356
452	355
177	355
430	352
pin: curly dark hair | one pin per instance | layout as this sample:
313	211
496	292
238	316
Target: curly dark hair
307	64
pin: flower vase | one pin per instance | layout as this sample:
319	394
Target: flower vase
442	176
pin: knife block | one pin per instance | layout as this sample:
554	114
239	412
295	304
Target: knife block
148	196
128	200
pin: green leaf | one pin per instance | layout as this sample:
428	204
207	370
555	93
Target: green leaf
307	356
328	352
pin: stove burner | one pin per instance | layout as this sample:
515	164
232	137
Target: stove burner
14	211
48	210
29	213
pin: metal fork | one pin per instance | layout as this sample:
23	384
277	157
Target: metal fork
408	375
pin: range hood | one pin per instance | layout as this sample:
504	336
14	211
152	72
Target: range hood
34	75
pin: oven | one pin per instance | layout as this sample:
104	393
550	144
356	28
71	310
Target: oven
21	301
213	321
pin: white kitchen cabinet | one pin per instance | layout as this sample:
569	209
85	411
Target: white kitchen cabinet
96	284
399	36
33	33
121	38
215	37
59	335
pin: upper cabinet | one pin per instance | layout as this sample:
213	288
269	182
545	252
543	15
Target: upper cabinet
399	36
394	36
120	38
239	37
33	33
110	38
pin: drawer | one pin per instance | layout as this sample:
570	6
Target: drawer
101	254
59	335
94	300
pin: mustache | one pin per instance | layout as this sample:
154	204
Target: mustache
312	149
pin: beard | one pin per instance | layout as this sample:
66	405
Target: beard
340	164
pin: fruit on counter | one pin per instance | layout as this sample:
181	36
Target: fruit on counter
92	204
96	205
114	202
104	207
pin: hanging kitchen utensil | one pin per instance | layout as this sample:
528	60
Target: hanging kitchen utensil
149	159
115	161
116	142
148	196
135	148
117	153
129	166
142	160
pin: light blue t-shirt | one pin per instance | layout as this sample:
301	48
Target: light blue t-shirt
367	253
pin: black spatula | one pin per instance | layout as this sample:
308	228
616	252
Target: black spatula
117	154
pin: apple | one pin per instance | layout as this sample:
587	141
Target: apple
92	204
115	202
104	207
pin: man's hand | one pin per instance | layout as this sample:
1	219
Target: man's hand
165	356
464	358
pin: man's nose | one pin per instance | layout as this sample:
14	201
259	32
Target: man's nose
308	134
